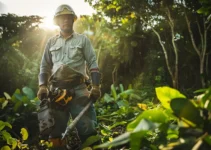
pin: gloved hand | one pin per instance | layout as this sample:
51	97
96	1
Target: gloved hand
42	92
95	93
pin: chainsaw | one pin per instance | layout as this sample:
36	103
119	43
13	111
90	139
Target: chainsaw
58	98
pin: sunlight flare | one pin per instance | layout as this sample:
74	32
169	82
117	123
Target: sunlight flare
47	23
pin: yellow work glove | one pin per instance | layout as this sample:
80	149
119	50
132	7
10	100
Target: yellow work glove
95	93
42	92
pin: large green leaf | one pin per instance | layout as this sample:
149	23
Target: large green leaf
208	105
135	139
105	132
140	131
207	98
25	100
185	110
125	93
4	104
3	124
121	88
207	139
24	134
123	103
5	148
122	139
13	142
107	98
17	106
91	140
7	95
145	124
17	95
154	115
6	136
166	94
28	92
203	10
113	91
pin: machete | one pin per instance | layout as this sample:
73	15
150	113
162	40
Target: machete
75	121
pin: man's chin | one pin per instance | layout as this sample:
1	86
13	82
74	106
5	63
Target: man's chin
67	30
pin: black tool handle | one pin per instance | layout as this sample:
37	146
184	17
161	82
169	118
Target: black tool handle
75	121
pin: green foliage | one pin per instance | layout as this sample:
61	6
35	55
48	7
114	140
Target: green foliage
206	7
126	47
157	127
13	26
19	60
18	70
12	143
117	107
18	112
132	38
114	45
165	95
3	124
90	141
154	115
185	110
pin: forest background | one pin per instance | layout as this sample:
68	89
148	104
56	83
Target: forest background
140	45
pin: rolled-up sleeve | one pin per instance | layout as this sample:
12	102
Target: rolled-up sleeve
46	62
89	54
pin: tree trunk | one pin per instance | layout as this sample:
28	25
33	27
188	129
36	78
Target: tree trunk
170	69
202	72
200	51
114	75
171	23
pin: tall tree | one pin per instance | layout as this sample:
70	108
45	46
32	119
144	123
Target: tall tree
16	68
200	45
165	18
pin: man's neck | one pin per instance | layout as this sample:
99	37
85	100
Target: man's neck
66	34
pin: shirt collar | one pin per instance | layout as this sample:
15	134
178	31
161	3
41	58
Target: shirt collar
72	35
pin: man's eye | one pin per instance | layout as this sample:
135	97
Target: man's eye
62	17
69	16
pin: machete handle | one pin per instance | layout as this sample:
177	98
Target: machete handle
75	121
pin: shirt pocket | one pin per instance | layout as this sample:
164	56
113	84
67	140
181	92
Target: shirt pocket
75	53
56	52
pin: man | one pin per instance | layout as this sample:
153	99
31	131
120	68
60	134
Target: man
63	67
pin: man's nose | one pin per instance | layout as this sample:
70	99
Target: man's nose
66	19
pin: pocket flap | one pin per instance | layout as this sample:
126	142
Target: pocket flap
76	46
55	48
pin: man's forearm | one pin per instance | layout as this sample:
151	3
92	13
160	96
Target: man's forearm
43	79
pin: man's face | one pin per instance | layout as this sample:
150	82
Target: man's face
65	22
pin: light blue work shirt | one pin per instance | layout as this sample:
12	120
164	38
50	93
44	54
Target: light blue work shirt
75	52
